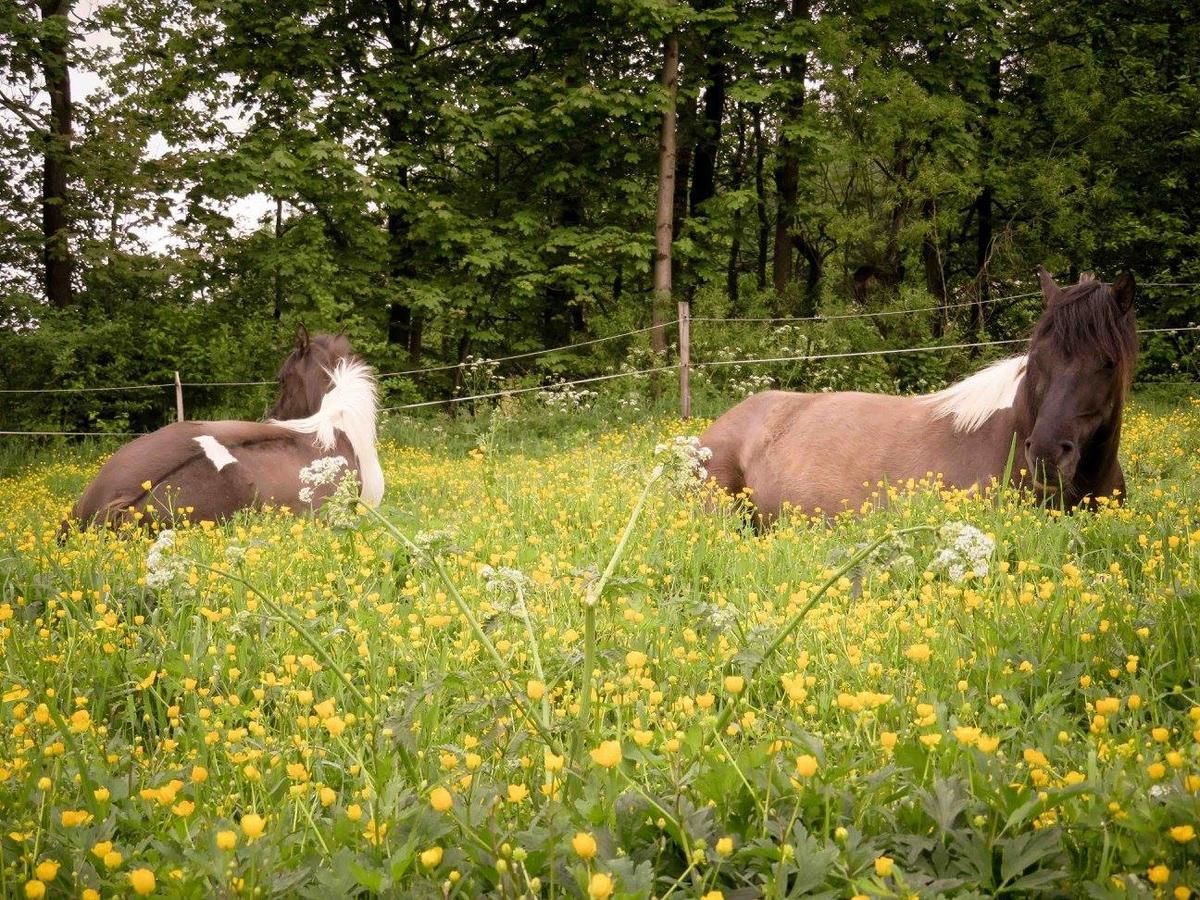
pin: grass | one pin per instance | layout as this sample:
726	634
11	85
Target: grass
279	706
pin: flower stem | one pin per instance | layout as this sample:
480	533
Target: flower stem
794	622
591	599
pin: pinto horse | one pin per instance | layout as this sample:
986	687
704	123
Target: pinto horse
212	469
1061	403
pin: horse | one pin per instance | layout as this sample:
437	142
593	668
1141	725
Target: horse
1055	411
327	408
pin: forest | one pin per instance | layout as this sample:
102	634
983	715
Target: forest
182	183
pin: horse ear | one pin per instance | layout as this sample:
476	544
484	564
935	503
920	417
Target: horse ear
1049	288
1123	290
302	339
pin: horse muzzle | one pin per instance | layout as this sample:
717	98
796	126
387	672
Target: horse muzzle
1052	463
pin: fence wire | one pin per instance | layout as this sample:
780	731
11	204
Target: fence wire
566	347
748	361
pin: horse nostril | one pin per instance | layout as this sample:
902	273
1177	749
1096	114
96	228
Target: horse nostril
1028	444
1066	448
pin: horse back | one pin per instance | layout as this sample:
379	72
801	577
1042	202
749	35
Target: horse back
209	467
830	451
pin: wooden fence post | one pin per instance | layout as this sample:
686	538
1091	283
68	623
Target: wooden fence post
685	359
178	399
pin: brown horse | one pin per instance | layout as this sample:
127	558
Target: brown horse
212	469
1061	402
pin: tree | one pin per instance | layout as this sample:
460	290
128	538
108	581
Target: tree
39	48
663	222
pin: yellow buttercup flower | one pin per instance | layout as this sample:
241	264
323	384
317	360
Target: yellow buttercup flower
919	653
253	825
806	765
600	886
440	799
1108	706
608	754
584	845
1181	834
142	881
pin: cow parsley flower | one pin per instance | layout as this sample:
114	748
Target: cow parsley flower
340	508
503	579
162	567
966	549
682	462
320	472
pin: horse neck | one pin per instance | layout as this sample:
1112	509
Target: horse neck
349	407
1003	434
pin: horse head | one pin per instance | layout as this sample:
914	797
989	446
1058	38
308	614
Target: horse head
304	376
1077	374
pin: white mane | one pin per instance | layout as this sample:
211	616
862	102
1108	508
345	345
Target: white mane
349	407
973	400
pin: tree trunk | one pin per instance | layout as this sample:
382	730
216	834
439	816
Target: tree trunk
404	326
983	203
737	176
708	138
787	162
558	316
666	196
277	312
935	272
685	133
983	250
56	234
760	193
814	272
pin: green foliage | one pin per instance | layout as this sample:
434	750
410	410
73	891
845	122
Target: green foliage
460	179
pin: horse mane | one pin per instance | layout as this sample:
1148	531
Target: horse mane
1082	318
1086	318
972	401
350	406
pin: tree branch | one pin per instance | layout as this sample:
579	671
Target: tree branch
21	111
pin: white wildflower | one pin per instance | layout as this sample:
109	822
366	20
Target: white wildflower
967	550
683	462
340	509
162	567
433	543
320	472
503	579
562	396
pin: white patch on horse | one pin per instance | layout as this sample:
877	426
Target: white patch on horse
973	400
216	452
350	407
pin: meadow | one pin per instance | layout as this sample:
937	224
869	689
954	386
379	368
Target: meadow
545	670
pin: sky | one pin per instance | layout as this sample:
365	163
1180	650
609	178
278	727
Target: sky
247	213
